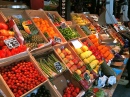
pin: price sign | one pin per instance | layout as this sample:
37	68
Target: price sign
63	25
58	66
57	39
11	43
76	43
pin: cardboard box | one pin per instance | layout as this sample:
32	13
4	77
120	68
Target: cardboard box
28	58
60	82
41	14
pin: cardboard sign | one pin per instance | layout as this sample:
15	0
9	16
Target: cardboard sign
11	43
58	66
76	43
57	39
17	16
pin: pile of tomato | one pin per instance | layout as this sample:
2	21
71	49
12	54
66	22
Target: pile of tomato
21	77
71	90
5	33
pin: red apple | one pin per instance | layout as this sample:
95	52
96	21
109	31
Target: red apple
78	66
69	65
64	52
73	68
83	68
75	61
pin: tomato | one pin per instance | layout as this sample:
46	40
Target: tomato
3	26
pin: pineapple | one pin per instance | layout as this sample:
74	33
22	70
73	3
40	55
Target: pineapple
24	34
37	39
31	45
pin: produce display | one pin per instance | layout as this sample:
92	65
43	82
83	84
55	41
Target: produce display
87	56
71	90
68	33
45	28
46	63
104	50
30	33
21	77
84	24
42	91
74	61
56	20
6	34
71	61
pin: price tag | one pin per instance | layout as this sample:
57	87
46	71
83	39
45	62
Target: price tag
2	94
121	28
58	66
17	16
11	43
63	25
57	39
76	43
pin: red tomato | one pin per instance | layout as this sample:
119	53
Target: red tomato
3	26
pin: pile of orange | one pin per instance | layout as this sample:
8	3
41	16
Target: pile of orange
105	50
44	27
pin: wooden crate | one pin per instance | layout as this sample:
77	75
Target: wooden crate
66	45
46	51
56	14
41	14
79	30
50	87
28	58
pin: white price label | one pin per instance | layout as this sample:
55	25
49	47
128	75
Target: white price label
57	39
76	43
11	43
58	66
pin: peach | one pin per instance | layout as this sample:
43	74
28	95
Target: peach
64	52
71	62
69	65
75	61
81	63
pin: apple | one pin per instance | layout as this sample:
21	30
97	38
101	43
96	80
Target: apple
69	65
78	71
62	55
75	61
71	57
83	68
71	62
68	51
79	66
58	50
64	52
80	63
65	60
73	68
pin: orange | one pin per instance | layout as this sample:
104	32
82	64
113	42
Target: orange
111	56
92	36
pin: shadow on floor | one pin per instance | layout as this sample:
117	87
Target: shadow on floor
121	91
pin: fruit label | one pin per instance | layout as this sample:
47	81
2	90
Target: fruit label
11	43
17	16
57	39
2	94
58	66
76	43
86	76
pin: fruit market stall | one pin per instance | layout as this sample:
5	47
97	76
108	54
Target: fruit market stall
56	59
